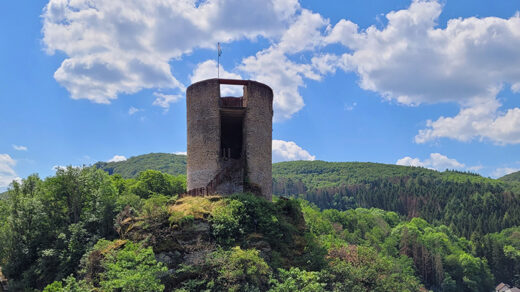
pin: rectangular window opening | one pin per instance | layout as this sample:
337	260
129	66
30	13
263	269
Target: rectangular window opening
231	140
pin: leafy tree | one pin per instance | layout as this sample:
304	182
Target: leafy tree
357	268
502	251
153	182
50	224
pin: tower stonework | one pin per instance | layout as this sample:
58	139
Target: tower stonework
229	138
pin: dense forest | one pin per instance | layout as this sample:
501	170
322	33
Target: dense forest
332	227
466	202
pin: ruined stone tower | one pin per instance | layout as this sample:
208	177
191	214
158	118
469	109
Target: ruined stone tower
229	138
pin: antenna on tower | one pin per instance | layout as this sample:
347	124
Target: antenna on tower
219	52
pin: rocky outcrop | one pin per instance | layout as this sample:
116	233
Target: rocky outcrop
3	282
186	233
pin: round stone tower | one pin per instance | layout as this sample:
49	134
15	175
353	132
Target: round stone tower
229	138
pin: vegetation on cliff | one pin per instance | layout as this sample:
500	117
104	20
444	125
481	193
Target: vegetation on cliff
466	202
84	230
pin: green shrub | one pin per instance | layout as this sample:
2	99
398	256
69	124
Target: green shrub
153	182
239	270
132	268
297	280
226	222
71	285
156	206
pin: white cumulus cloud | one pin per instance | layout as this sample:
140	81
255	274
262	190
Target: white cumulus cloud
288	150
7	173
413	61
115	47
180	153
482	120
117	158
441	162
273	66
409	161
435	161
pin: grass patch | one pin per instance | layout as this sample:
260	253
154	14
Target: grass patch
194	208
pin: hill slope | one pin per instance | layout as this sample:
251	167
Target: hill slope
168	163
467	201
322	174
512	177
318	173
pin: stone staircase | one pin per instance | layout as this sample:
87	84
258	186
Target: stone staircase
224	182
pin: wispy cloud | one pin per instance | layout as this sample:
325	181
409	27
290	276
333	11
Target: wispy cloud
20	148
501	171
7	172
164	100
350	107
436	161
132	110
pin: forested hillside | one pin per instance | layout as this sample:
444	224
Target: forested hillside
466	202
84	230
165	162
512	177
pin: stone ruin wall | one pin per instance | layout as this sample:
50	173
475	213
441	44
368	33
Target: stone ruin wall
258	137
203	123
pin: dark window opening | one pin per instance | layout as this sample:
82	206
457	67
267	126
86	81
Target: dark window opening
231	136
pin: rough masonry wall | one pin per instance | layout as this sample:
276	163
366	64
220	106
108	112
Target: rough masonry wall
203	121
258	127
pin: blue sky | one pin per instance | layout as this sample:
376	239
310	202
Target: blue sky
423	83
